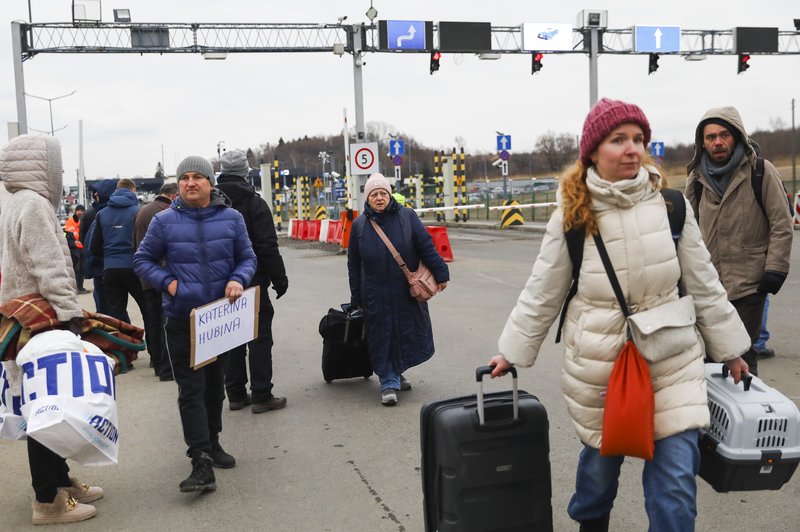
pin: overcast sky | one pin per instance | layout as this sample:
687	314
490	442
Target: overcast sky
132	105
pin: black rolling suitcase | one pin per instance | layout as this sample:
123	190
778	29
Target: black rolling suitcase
485	462
344	346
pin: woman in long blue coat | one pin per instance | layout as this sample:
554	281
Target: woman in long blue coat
398	327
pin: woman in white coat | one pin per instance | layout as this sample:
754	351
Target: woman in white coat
611	191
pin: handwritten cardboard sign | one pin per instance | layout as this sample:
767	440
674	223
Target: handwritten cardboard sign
220	326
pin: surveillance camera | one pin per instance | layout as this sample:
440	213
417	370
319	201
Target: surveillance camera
342	19
498	162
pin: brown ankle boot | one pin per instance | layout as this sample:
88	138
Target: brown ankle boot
63	509
83	493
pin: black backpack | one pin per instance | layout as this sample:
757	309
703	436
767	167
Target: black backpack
576	237
756	181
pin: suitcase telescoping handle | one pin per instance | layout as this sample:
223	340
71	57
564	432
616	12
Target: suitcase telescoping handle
487	370
746	379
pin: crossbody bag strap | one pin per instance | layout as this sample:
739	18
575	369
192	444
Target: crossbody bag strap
395	255
612	276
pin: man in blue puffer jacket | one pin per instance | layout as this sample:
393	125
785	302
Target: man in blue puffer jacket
207	255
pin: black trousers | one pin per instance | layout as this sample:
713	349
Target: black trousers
260	359
750	309
153	330
117	284
48	471
200	392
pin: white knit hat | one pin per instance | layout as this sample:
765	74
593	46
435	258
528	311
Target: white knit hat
376	181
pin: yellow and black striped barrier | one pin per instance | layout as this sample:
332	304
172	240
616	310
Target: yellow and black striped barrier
512	215
321	213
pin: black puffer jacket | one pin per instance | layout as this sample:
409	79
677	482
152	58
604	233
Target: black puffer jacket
261	230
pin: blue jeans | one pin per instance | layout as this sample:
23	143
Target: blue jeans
763	336
670	488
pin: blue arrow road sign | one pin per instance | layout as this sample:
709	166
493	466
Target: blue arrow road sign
657	39
657	149
503	142
397	147
405	34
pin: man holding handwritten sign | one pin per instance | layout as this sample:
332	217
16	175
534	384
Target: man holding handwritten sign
207	256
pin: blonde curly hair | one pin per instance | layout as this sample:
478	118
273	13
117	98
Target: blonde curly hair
576	201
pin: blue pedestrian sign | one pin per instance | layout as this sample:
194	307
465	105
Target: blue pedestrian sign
657	149
405	34
657	39
503	142
397	147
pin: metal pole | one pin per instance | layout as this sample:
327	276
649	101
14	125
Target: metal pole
81	171
794	160
357	81
52	129
593	46
19	78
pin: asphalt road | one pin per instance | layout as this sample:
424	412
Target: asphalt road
335	459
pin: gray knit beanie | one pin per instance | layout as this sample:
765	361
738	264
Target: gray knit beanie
196	163
234	162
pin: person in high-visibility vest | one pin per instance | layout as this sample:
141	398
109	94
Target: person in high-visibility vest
72	228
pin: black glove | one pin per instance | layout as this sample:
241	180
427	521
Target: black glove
75	325
771	282
280	287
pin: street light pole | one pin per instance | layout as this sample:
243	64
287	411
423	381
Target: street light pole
50	104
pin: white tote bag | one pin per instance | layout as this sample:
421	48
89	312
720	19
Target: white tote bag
69	397
12	424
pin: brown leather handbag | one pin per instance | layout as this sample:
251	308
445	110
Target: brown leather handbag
421	283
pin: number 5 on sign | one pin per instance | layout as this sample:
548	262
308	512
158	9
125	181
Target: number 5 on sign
364	158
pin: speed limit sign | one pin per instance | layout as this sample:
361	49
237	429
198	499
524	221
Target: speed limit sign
364	158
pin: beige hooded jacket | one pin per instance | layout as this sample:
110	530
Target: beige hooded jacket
632	219
742	241
34	256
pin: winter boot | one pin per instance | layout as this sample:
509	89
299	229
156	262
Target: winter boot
83	493
202	477
598	524
220	458
63	509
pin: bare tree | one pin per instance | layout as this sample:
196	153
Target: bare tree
556	150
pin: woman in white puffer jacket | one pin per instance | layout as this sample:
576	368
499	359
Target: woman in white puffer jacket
610	191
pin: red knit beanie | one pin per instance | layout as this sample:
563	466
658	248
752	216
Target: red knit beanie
605	117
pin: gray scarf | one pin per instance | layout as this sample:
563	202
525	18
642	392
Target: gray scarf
719	177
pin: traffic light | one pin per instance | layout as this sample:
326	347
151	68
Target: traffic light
435	56
536	66
653	64
743	63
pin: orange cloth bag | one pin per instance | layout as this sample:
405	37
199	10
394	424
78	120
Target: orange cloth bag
628	417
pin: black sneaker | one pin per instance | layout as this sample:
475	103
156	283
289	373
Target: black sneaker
220	458
202	477
238	405
765	353
404	384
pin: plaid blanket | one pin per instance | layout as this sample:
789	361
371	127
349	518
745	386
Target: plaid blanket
23	317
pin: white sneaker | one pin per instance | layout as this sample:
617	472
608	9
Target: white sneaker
389	397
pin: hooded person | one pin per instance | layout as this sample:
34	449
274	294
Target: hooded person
398	327
93	266
749	238
270	269
196	252
34	258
